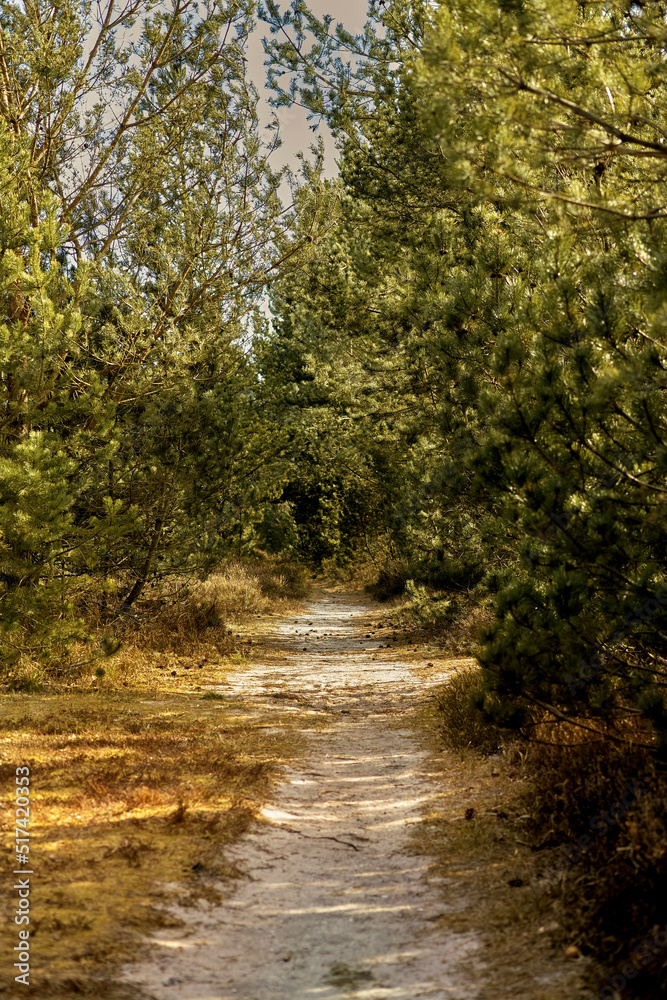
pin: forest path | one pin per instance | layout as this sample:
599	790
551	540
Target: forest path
335	905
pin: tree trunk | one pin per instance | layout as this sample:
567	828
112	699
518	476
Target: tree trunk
140	582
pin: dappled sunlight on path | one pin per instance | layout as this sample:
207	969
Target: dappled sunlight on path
335	905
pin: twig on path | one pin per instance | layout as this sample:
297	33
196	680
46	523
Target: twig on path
290	829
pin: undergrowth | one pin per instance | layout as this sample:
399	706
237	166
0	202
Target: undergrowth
598	813
183	620
588	811
179	614
463	726
474	835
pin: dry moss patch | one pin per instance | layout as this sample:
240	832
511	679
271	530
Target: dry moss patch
133	801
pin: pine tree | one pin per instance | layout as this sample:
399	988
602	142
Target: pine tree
44	429
555	114
140	222
507	282
400	294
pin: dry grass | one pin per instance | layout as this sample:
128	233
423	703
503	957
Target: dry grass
559	849
200	616
178	627
598	813
463	726
141	773
478	837
130	796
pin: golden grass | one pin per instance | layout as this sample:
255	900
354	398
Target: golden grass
129	796
141	773
246	588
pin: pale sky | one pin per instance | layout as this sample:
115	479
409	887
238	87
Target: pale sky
294	129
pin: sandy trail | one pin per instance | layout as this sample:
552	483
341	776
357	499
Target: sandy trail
335	905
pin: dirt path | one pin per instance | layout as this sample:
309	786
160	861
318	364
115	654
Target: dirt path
335	905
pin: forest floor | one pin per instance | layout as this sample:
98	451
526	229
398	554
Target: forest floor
279	823
368	874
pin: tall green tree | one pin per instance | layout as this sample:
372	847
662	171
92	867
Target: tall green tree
502	167
141	183
555	113
402	287
41	437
